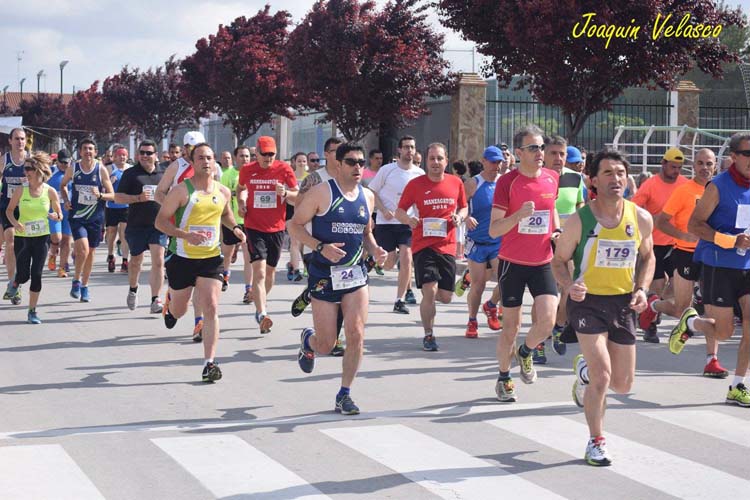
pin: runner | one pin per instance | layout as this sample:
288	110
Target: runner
339	210
91	188
136	188
198	206
116	214
524	213
603	240
60	230
34	202
294	266
12	178
673	221
481	250
263	189
439	204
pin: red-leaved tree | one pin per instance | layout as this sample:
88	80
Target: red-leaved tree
579	74
239	73
92	115
47	116
366	69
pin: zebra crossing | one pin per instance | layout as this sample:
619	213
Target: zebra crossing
237	465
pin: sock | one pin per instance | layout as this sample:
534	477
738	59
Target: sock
154	297
504	375
248	287
32	309
652	306
524	351
225	273
110	257
344	391
738	380
134	289
473	319
124	260
306	342
198	319
710	357
427	333
207	361
691	323
491	304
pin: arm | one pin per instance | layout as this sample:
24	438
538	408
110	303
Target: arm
54	202
470	187
564	248
165	183
64	188
661	222
371	246
500	224
698	224
644	269
313	203
376	184
227	216
108	194
12	204
176	198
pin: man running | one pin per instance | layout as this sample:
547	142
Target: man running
60	229
91	188
12	178
263	188
604	240
339	211
199	206
438	202
116	214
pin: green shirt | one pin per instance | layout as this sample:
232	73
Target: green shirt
230	178
569	193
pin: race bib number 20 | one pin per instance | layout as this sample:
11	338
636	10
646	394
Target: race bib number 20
536	223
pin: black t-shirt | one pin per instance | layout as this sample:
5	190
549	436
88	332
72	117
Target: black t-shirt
141	214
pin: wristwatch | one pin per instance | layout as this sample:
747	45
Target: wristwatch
319	247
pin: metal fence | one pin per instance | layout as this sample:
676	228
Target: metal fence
724	117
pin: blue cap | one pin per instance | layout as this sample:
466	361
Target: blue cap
493	153
574	155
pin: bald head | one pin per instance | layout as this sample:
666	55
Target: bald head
704	165
705	154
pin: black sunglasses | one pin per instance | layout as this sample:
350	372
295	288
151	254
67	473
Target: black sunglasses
314	160
147	153
354	163
743	152
28	168
268	155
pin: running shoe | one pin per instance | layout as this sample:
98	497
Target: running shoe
75	289
132	300
528	373
7	295
463	283
338	349
169	320
156	306
370	264
400	307
298	275
558	345
472	328
429	343
51	264
379	271
248	297
713	369
85	297
33	318
61	272
306	357
346	406
15	299
579	386
124	266
211	372
198	332
289	271
681	333
493	321
300	303
596	452
506	391
739	396
648	316
224	282
111	263
264	323
650	334
539	355
409	298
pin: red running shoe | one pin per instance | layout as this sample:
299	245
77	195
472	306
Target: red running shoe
492	317
714	370
647	317
471	329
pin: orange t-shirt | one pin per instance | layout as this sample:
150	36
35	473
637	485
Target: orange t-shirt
652	196
680	207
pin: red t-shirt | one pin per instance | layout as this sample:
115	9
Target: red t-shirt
266	212
435	202
529	242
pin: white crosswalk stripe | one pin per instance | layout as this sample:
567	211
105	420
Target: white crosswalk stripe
712	423
228	466
655	468
41	472
442	469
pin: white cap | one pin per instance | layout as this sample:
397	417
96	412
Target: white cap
193	138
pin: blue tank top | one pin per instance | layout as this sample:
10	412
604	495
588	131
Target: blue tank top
115	177
13	178
480	207
84	204
343	222
723	219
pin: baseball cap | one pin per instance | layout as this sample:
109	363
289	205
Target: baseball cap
675	155
193	138
493	153
63	155
266	144
574	155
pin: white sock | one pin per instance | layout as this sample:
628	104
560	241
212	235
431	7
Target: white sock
710	357
207	361
691	323
583	371
738	380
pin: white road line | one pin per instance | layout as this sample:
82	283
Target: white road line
228	466
41	472
440	468
655	468
712	423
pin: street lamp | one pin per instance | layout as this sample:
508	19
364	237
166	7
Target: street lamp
39	77
21	84
62	66
5	93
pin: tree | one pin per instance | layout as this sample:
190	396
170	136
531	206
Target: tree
90	114
239	73
46	116
149	101
368	70
581	75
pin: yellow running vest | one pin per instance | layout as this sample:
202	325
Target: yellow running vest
33	213
201	214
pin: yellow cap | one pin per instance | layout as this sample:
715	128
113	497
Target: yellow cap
675	155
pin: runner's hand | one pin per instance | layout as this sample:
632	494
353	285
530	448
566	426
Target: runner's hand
195	239
387	214
380	256
280	190
526	210
577	291
239	234
413	222
333	252
639	302
471	223
19	227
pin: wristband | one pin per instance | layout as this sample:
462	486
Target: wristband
639	289
237	226
558	230
725	241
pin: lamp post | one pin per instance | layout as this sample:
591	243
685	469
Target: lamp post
38	77
62	66
5	94
21	84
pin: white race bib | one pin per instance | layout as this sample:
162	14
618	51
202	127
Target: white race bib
35	227
86	196
743	217
264	199
149	190
536	223
11	188
344	277
432	226
616	254
208	231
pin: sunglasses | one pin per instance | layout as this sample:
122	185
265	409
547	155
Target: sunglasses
743	152
314	160
533	148
147	153
28	168
63	162
354	163
268	155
